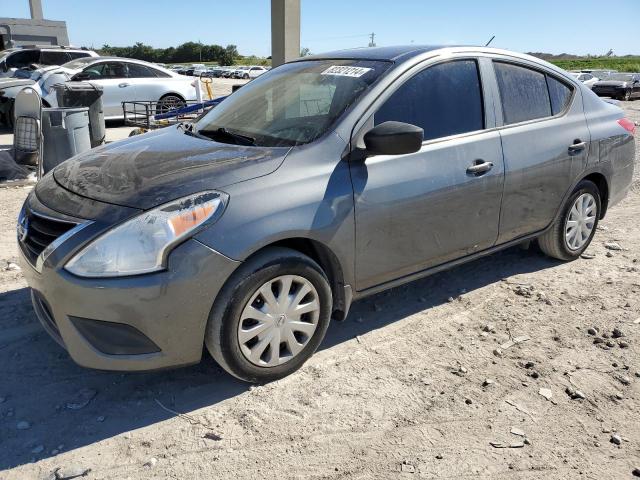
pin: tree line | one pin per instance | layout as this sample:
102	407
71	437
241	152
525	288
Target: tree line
188	52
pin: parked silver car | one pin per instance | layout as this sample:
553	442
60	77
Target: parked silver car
322	181
123	80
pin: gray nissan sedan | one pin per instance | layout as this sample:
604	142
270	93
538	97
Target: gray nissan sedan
324	180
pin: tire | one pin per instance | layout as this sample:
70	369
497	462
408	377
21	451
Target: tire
245	76
627	96
227	320
169	102
556	242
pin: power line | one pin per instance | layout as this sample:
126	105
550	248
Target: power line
372	36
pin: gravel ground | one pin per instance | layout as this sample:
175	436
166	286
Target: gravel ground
412	384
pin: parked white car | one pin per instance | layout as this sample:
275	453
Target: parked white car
23	58
122	80
247	72
586	78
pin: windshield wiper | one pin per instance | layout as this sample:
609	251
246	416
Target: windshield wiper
223	132
187	128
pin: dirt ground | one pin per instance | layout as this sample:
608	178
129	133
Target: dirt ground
414	384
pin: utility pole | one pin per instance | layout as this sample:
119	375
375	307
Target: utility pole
372	36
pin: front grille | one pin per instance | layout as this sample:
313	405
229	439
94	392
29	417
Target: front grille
36	232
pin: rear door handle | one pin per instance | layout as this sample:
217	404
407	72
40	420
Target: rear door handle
122	85
479	167
577	146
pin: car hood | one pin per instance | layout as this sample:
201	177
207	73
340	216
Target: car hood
611	83
148	170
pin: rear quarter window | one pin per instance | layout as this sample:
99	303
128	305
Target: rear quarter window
559	93
523	92
75	55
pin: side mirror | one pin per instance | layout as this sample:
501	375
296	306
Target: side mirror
80	77
393	138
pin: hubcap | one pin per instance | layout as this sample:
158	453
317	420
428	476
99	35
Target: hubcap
279	320
580	221
169	102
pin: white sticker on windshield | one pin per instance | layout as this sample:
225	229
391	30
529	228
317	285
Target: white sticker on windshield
346	71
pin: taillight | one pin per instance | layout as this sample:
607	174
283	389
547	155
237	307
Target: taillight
628	125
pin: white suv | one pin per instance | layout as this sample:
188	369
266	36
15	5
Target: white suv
37	56
249	72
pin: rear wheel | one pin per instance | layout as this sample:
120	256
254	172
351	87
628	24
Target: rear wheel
270	317
169	102
627	96
574	229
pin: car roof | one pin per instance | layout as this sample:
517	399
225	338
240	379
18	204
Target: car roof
390	54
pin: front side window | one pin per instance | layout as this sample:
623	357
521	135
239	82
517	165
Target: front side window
23	58
293	104
523	92
444	100
107	70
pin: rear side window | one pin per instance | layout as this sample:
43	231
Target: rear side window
139	71
523	92
75	55
53	58
559	93
444	100
159	73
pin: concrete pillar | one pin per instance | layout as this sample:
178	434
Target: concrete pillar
36	9
285	31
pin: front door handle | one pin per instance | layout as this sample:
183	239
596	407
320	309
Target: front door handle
479	167
577	147
122	85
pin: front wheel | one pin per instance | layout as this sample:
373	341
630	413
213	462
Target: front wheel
627	96
574	229
270	317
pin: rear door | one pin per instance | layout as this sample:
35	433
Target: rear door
545	141
419	210
145	82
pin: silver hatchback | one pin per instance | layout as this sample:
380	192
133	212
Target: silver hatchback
322	181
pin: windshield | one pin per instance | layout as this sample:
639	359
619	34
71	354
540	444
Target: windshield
293	104
78	63
620	77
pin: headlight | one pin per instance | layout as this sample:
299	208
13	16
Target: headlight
141	245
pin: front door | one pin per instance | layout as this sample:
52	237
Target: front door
423	209
117	88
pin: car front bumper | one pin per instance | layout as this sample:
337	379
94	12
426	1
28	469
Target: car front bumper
143	322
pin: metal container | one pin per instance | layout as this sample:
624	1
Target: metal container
84	94
66	133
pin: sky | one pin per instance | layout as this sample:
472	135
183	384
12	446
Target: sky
553	26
